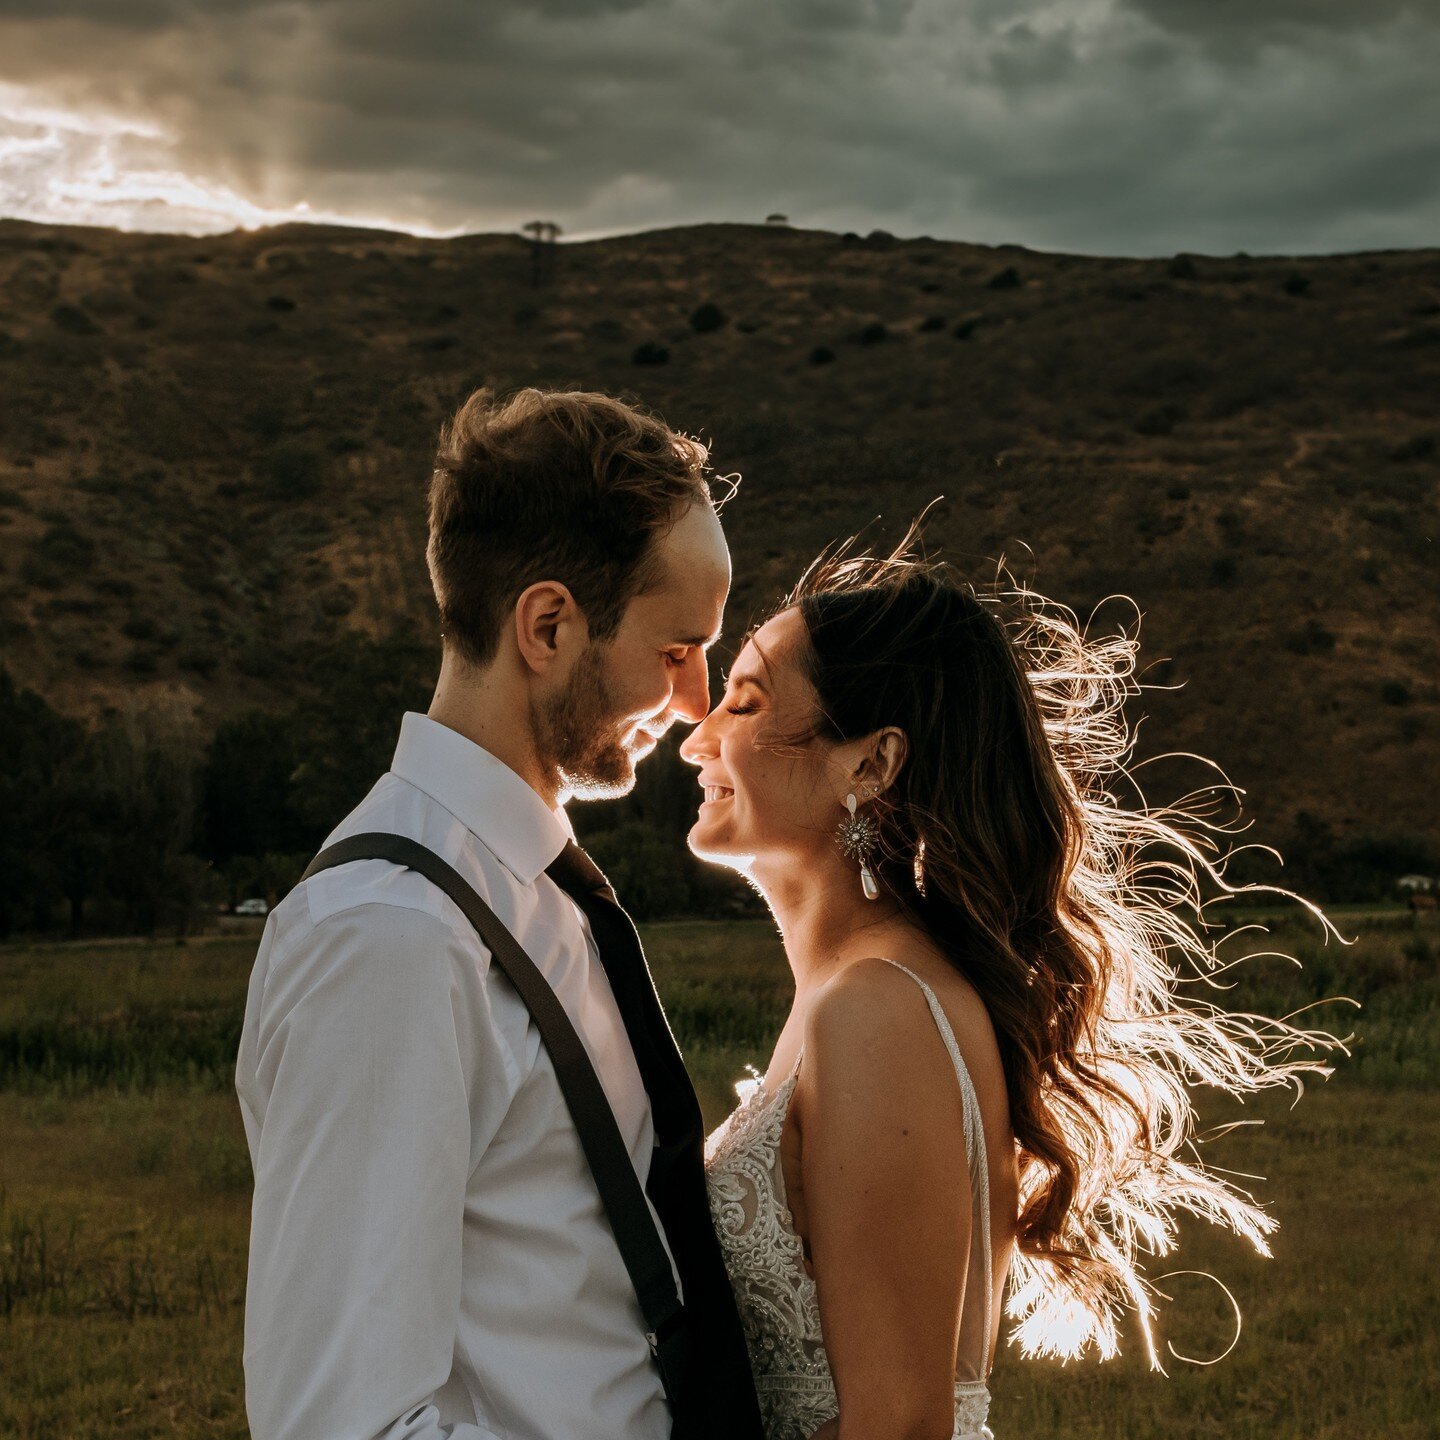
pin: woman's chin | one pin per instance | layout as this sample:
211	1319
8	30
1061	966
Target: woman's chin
708	842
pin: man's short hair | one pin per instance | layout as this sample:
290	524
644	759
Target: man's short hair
551	485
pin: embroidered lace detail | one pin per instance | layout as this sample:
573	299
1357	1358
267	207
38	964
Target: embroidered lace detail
776	1296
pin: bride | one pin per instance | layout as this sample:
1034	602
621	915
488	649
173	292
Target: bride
982	1078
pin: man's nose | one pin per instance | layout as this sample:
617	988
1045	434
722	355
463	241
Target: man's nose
690	699
696	746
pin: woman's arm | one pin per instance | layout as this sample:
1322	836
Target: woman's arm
887	1201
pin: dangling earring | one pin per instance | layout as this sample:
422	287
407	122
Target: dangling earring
919	867
858	836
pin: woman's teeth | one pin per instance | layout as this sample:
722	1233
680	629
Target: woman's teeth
716	792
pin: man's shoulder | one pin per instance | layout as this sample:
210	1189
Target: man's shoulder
394	807
374	903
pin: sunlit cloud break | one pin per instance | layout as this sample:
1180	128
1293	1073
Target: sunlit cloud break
63	167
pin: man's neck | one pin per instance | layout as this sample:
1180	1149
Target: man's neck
479	705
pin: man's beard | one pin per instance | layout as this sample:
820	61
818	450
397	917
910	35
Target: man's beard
580	738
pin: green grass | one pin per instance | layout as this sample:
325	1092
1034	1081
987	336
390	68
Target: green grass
130	1016
124	1201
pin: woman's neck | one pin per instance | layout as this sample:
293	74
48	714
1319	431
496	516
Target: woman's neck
823	916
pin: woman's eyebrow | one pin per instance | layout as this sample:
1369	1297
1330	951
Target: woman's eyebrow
751	677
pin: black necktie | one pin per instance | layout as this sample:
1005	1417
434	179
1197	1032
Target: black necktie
722	1405
675	1110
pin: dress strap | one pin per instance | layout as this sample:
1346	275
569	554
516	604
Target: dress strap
976	1156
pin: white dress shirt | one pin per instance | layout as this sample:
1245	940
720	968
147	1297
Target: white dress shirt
428	1252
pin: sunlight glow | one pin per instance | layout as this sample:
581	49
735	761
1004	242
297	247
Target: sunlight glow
63	167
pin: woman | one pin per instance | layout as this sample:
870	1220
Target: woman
982	1076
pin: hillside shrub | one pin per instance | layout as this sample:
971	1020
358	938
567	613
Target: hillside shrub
337	600
821	355
292	472
1161	376
1251	389
1417	447
258	660
873	334
1311	638
650	354
1151	522
1006	279
73	320
707	318
931	323
1395	692
57	556
1160	419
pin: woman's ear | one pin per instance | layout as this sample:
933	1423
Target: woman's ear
881	763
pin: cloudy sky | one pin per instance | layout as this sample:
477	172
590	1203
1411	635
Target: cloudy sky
1104	126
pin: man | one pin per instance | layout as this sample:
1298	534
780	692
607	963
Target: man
429	1253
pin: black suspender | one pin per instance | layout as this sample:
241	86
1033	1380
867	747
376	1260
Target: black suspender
630	1218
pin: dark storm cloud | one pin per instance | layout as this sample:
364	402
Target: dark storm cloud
1136	126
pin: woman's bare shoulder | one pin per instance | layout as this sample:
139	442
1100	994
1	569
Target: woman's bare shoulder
872	1011
867	1009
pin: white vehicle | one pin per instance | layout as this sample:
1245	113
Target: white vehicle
254	906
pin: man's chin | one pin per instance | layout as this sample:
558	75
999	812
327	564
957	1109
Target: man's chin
607	780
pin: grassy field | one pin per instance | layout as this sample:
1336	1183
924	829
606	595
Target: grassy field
124	1199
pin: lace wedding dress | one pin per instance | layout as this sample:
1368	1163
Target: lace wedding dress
766	1262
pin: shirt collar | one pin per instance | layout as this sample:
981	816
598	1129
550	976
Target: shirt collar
483	793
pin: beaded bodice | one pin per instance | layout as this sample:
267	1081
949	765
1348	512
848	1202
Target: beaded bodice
776	1295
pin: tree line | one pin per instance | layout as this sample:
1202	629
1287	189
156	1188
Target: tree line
138	823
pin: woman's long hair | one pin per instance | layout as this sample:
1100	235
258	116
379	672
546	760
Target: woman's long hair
1078	920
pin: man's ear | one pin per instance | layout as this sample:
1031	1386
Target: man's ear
881	762
548	625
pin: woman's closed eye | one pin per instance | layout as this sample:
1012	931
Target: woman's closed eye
740	709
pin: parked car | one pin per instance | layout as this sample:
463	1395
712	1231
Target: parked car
254	906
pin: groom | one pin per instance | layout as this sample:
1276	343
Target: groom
429	1254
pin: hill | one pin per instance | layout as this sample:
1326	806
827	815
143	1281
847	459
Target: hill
213	454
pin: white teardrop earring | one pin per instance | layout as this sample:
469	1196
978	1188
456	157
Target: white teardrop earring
858	835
